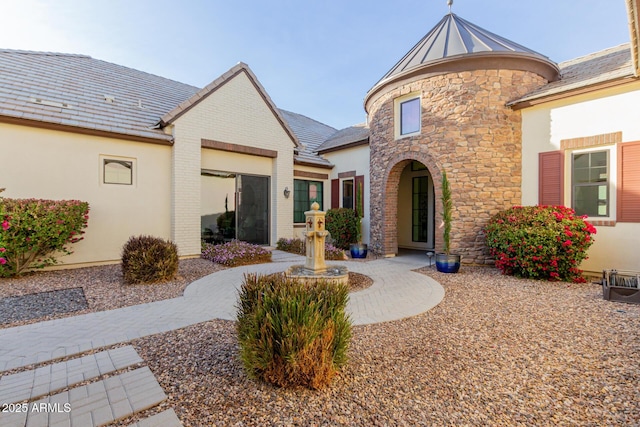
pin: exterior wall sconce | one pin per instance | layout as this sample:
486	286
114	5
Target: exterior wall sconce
287	192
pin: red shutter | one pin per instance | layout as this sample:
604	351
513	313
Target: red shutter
629	182
551	178
359	182
335	193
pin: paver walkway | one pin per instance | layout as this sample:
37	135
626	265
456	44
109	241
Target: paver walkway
397	293
52	395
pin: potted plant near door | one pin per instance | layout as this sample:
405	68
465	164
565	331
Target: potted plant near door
446	262
359	249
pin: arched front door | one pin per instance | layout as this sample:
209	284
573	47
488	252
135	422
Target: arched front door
416	208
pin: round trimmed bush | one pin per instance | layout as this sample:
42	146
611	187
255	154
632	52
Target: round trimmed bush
539	242
147	259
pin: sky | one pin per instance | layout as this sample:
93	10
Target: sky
318	58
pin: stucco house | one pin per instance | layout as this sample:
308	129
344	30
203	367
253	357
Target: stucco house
158	157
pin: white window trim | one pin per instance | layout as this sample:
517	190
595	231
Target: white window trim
397	117
612	181
342	181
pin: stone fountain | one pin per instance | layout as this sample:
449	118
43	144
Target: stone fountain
315	269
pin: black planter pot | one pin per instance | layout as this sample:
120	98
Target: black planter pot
447	263
358	250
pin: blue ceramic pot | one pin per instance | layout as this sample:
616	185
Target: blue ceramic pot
447	263
358	250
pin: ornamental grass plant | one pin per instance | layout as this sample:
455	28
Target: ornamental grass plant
540	242
291	333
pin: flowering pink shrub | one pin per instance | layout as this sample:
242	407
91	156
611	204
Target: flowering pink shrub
33	232
539	242
297	246
235	253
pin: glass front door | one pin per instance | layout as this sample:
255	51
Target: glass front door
252	207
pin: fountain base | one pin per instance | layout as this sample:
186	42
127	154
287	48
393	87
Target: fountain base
333	273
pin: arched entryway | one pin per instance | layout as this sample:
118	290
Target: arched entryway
416	208
409	214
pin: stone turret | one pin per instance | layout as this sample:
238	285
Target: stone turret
464	76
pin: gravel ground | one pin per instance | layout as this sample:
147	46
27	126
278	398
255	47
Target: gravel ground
497	351
103	289
35	306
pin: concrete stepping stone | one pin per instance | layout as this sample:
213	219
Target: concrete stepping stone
94	404
45	380
167	418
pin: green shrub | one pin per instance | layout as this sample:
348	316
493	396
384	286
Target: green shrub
344	226
539	242
235	253
294	246
226	223
290	333
147	259
298	247
33	232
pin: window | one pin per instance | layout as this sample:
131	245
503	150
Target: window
410	116
117	171
347	193
590	183
420	209
304	194
407	113
628	183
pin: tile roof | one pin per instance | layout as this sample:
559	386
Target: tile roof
311	134
608	65
87	93
347	137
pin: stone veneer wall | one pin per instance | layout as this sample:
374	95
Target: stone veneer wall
468	130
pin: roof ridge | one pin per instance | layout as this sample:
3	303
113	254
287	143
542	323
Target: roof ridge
35	52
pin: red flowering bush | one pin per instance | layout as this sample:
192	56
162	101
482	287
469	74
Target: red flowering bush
539	242
33	232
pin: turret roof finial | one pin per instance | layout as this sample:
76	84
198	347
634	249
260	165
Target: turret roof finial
449	3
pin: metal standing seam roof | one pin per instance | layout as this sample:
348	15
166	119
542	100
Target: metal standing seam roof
83	92
451	37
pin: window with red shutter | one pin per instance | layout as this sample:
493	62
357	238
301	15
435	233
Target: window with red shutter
628	182
335	193
551	178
